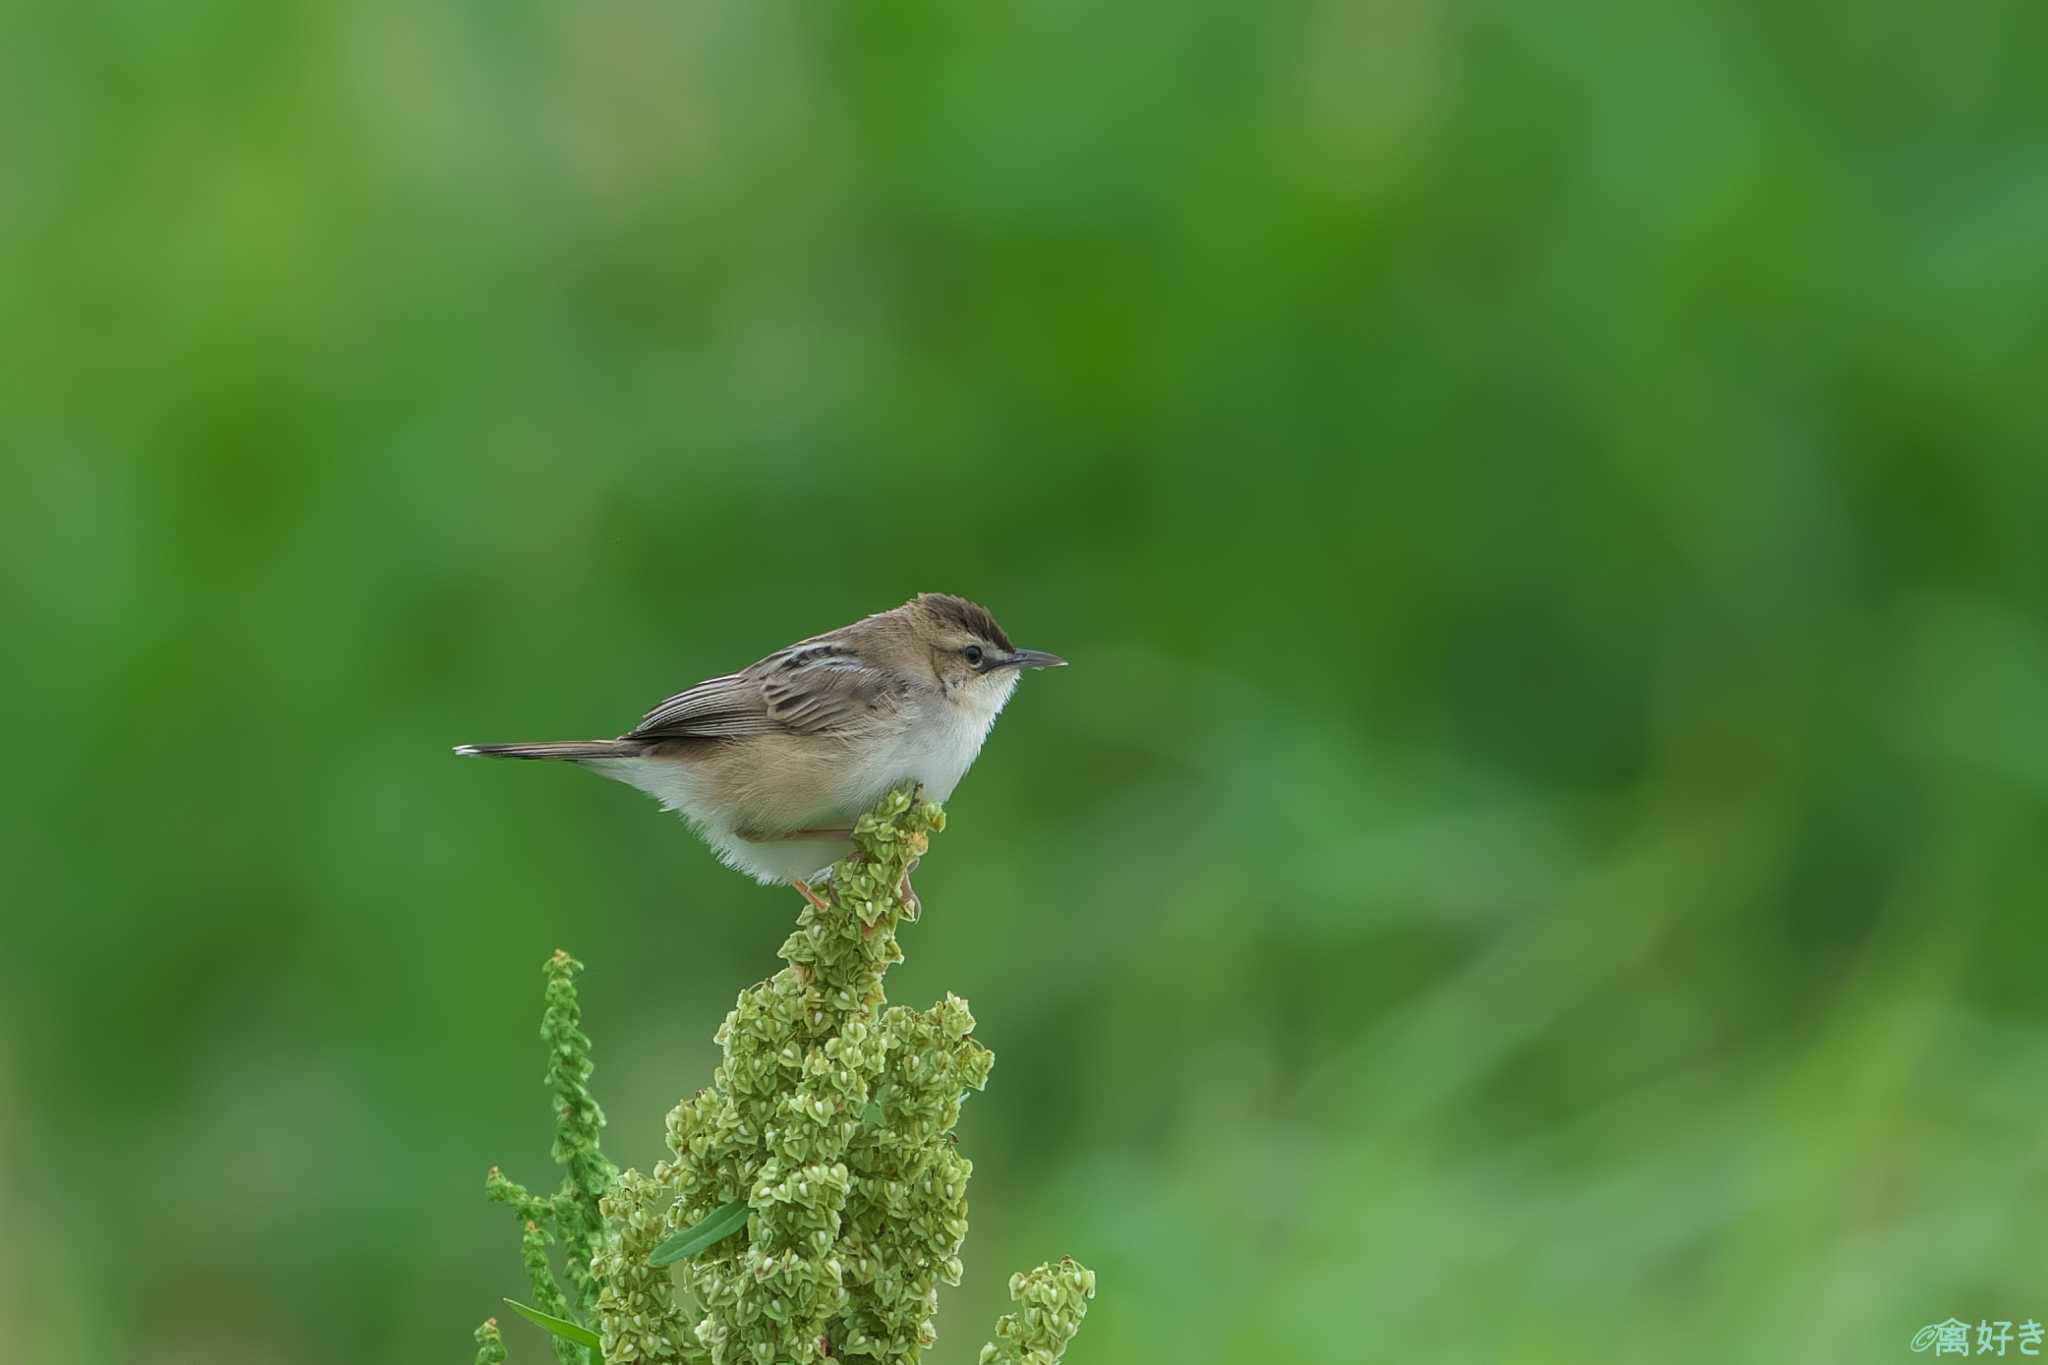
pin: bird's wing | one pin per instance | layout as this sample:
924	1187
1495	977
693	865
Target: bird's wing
718	708
805	689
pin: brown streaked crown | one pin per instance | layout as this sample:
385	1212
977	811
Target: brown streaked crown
968	616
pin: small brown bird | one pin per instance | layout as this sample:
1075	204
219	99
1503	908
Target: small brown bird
772	764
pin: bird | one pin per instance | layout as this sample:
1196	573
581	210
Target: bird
772	765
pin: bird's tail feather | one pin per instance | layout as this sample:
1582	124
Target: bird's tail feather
560	748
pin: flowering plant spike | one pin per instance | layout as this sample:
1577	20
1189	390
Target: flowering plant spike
829	1125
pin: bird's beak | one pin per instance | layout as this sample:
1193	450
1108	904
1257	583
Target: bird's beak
1034	658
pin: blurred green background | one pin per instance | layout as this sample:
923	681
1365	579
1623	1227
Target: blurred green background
1541	852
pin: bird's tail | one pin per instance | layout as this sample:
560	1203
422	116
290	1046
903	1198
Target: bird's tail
560	748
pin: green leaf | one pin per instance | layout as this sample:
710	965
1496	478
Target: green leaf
708	1231
561	1327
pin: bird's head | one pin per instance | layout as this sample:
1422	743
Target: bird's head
967	654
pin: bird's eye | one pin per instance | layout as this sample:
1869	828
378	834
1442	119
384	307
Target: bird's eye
973	655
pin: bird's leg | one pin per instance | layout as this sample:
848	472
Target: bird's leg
803	887
755	837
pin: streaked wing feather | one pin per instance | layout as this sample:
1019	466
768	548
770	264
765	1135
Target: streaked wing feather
805	689
717	708
825	701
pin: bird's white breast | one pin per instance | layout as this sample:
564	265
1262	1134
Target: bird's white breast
935	743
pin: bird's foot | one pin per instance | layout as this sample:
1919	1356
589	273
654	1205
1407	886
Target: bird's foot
803	888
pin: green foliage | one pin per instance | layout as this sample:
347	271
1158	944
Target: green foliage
713	1228
1545	503
853	1227
490	1346
642	1317
1053	1300
826	1135
572	1214
586	1176
561	1327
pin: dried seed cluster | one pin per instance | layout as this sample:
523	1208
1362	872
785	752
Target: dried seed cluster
831	1115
